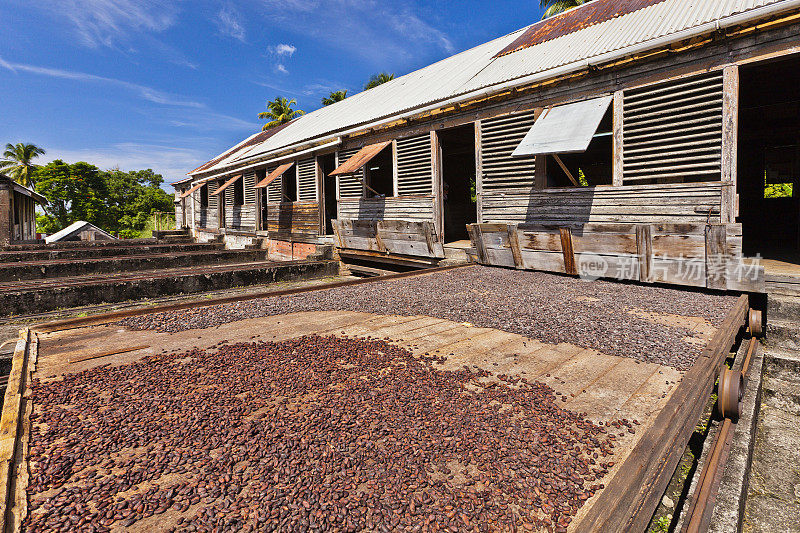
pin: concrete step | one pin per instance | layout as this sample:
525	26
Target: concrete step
94	244
162	234
783	307
782	380
84	252
57	268
49	295
783	334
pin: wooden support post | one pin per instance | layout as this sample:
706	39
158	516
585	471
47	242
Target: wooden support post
540	161
395	173
644	249
716	256
438	186
618	139
337	231
567	250
480	247
430	237
730	139
513	241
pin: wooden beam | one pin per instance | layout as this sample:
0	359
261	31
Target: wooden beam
617	160
730	140
478	171
566	170
568	251
716	256
438	185
644	249
516	250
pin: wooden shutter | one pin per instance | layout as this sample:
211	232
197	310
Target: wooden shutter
499	137
274	189
307	180
249	187
672	132
349	186
212	198
414	169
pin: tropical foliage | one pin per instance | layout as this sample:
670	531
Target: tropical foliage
335	96
119	202
554	7
16	162
279	111
378	79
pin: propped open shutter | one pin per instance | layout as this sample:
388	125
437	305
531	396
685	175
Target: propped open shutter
190	191
499	138
673	131
307	180
274	175
356	162
414	169
227	184
564	129
350	185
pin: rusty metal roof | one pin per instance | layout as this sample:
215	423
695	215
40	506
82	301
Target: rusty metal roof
573	20
275	174
361	158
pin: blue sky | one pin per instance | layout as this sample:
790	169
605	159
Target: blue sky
169	84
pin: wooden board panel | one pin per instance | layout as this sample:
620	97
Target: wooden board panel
499	137
400	237
411	208
288	218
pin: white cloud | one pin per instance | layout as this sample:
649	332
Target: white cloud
105	22
230	23
144	92
283	49
375	31
281	68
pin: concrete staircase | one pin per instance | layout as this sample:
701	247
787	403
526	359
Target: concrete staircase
773	496
40	278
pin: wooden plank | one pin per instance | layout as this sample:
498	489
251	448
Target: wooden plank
716	257
513	239
477	243
617	159
567	250
88	357
644	245
629	499
730	140
479	171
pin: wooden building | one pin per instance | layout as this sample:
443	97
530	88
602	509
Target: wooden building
650	140
17	212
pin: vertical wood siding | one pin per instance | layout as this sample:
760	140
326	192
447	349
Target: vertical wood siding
274	188
349	186
307	180
249	187
672	131
414	168
499	137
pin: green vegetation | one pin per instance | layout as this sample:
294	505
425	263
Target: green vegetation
661	525
335	96
279	111
554	7
17	164
119	202
378	79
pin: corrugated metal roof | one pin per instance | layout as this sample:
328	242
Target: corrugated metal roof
480	68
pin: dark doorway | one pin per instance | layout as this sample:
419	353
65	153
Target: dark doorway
769	159
221	206
457	149
327	164
261	175
380	175
289	185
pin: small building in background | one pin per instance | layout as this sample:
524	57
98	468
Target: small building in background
80	231
17	212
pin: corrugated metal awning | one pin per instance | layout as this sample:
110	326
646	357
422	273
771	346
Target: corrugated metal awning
227	184
275	174
361	158
564	129
190	191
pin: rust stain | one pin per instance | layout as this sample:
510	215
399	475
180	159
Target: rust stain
275	174
575	19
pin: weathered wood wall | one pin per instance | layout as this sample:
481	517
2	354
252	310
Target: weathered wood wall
399	237
668	203
690	254
242	217
349	186
307	180
287	219
414	173
411	208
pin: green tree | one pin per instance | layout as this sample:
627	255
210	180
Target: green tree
335	96
279	111
116	201
17	162
554	7
378	79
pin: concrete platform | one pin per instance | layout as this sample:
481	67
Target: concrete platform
36	296
604	387
86	252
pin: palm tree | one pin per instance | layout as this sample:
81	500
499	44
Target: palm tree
18	164
378	79
335	96
554	7
279	111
